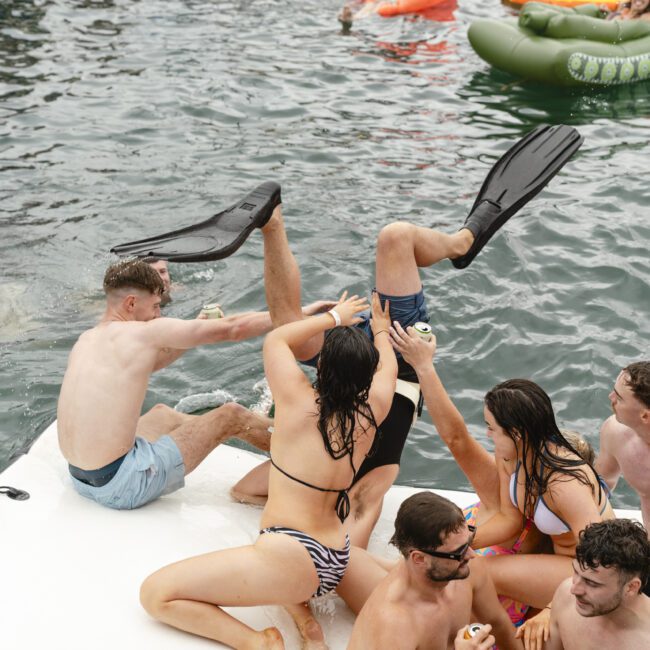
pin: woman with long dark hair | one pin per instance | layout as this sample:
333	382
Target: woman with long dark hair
322	433
537	482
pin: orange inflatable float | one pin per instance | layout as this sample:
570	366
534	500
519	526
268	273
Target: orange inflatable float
387	9
610	4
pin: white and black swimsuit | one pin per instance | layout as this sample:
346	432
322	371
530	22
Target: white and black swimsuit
330	563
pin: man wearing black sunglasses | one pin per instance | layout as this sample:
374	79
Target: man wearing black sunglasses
430	597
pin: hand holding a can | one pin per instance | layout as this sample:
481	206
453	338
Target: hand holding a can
474	637
411	343
211	310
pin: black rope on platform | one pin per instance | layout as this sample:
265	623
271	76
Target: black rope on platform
14	493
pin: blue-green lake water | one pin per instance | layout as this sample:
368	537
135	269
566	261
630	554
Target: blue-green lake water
123	119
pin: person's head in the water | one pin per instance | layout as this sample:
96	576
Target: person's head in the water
347	363
580	444
612	566
520	419
434	538
134	288
638	8
162	268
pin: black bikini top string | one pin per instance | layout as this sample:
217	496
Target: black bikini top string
342	506
343	501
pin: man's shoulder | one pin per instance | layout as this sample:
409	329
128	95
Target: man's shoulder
397	619
135	327
613	432
563	592
398	626
118	333
392	611
396	622
563	605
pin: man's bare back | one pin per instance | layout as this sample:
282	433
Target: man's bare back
623	451
118	457
625	436
103	391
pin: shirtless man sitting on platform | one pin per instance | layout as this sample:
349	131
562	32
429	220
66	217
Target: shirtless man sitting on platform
430	597
602	606
117	457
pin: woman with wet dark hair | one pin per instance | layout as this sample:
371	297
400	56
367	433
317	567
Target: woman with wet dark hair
540	464
322	433
537	482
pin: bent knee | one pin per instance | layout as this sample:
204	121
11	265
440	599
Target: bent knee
230	409
226	413
162	408
395	236
153	595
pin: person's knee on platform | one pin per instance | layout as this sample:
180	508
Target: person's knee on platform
153	597
229	414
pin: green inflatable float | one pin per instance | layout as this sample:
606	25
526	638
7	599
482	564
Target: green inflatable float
570	47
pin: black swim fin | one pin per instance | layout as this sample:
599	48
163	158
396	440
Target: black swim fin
213	239
520	174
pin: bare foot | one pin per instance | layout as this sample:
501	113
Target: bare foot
252	428
257	433
271	639
248	499
311	633
312	636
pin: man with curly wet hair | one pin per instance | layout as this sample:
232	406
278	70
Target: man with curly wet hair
603	605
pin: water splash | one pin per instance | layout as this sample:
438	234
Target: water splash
202	401
325	605
263	406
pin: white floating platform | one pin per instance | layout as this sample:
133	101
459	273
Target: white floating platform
70	570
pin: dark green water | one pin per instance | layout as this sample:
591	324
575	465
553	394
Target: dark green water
122	119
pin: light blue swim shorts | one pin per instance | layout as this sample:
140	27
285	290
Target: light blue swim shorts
148	471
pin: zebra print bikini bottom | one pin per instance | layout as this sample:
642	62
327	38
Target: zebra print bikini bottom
330	563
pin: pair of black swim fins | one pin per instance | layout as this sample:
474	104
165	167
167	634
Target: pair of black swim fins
520	174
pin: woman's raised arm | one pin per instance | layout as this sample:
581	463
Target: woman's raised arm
280	366
382	389
473	459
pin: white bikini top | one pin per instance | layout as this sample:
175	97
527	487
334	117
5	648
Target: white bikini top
545	519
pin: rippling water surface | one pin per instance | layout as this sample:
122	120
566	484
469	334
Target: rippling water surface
122	119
